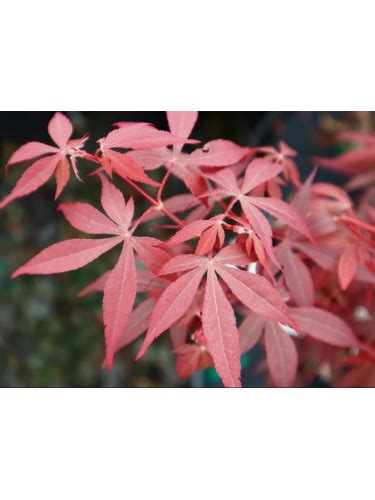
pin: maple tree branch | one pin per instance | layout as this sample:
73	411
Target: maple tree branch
228	212
163	182
142	218
229	207
157	205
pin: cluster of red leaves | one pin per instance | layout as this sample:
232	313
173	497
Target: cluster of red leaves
298	272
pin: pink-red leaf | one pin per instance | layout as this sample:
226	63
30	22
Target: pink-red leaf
347	267
351	162
208	238
220	331
30	151
119	295
190	231
282	211
181	124
234	255
141	136
297	277
62	174
152	257
34	177
67	256
256	293
138	323
172	305
259	170
127	168
88	219
227	180
282	356
324	326
182	263
113	203
218	153
60	129
261	227
150	159
250	331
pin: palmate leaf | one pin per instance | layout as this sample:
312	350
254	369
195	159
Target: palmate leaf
196	288
218	320
60	130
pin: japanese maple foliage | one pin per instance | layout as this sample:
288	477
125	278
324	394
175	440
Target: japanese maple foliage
243	265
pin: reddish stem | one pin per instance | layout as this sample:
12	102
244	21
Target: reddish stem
155	203
142	218
163	182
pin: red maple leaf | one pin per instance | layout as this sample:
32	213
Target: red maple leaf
51	160
217	153
257	173
218	320
120	284
281	351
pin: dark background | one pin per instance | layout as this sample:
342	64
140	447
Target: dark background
49	337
